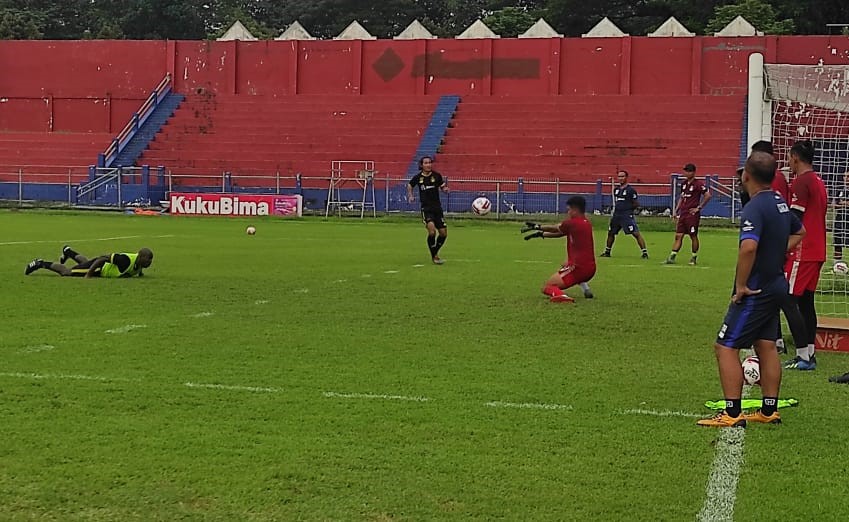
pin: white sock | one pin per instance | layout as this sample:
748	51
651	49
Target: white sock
803	353
779	343
811	349
585	287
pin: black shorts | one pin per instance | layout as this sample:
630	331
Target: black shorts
435	216
81	269
754	318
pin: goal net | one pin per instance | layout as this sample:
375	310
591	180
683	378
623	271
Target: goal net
812	102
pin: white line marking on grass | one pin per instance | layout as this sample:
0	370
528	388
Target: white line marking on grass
418	266
340	281
232	388
721	489
374	396
261	302
662	413
301	291
203	314
532	262
466	260
67	241
365	275
38	348
125	329
528	405
391	272
39	376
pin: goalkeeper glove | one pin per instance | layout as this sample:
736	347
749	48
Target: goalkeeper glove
535	234
529	225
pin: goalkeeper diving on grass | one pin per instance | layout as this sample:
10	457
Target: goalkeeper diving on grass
579	267
114	265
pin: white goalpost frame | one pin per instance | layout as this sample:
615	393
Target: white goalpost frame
787	103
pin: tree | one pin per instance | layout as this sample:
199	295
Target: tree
637	17
758	13
19	25
510	21
811	16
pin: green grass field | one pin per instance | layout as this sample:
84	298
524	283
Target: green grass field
325	370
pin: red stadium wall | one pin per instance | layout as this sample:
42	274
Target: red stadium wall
94	86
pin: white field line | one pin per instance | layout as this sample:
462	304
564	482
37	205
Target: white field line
261	301
68	241
527	405
418	266
391	272
336	395
721	489
365	276
533	262
37	348
39	376
661	413
125	329
201	315
232	388
465	260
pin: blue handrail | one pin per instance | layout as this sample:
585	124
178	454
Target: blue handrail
107	157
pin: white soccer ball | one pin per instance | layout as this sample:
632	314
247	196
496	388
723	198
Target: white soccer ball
251	230
752	370
840	268
481	206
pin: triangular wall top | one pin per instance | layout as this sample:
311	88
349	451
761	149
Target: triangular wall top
415	31
739	27
355	31
541	29
295	31
672	27
605	29
237	31
478	30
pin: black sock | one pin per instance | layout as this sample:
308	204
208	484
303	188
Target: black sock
440	240
431	245
733	407
769	405
72	254
46	264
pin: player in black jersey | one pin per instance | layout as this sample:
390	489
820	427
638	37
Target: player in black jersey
429	183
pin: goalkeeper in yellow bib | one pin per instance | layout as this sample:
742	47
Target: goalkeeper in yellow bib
110	265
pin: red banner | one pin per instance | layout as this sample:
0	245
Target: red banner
207	204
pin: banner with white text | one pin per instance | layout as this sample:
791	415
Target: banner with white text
236	205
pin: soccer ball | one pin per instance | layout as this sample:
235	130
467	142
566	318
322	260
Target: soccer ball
840	268
752	370
251	230
481	206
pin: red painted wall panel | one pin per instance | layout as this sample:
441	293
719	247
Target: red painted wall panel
203	65
522	67
326	67
590	65
832	50
79	69
388	67
263	68
661	65
725	64
453	67
25	114
81	115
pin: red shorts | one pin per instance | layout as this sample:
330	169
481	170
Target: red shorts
572	275
688	224
802	275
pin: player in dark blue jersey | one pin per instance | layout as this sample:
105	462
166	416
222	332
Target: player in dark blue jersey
429	183
625	202
768	230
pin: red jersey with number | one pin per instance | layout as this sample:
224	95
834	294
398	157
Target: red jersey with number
691	196
580	251
808	195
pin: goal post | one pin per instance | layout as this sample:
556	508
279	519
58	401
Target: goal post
808	102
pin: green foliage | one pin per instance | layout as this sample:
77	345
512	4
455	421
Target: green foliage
759	13
99	423
19	25
510	22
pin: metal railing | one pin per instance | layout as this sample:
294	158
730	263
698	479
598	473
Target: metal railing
119	143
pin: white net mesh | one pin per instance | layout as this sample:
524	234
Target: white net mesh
812	102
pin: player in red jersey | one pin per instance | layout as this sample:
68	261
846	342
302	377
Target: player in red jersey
809	201
694	197
779	182
579	267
